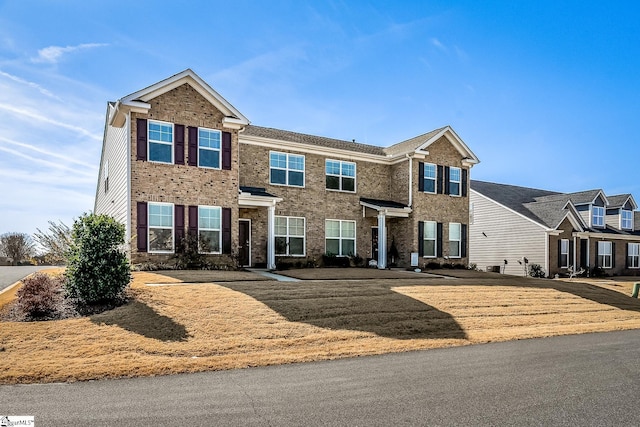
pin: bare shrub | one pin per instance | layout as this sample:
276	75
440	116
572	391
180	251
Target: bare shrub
40	295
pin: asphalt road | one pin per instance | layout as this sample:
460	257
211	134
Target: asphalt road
581	380
10	275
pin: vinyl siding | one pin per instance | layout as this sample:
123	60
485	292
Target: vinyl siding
612	218
507	235
114	202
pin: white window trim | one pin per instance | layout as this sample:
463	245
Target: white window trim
459	182
287	236
636	256
340	176
435	239
435	179
622	227
608	256
149	142
219	150
287	170
562	241
340	239
210	229
173	229
593	216
459	240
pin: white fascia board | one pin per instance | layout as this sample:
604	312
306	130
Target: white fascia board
470	158
574	216
604	197
233	123
312	149
602	236
390	212
249	200
544	227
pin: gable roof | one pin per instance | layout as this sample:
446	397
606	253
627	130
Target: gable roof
577	198
620	200
422	142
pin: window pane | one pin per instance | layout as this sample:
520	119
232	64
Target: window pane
454	188
454	249
296	178
333	182
277	160
348	247
333	246
430	171
348	229
430	185
209	218
278	176
209	158
281	245
348	184
332	167
454	174
281	226
296	246
332	228
349	169
160	152
208	139
454	231
429	248
296	227
296	162
430	230
209	241
160	239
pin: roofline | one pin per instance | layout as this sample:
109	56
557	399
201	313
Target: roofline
629	197
456	140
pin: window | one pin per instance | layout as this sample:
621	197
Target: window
455	239
626	219
289	234
597	216
633	255
160	227
340	175
209	229
605	252
160	142
429	178
340	237
209	148
454	181
430	239
286	169
564	253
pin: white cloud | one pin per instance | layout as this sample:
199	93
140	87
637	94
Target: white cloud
30	84
53	54
436	43
22	112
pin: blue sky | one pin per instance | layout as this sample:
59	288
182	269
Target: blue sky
546	93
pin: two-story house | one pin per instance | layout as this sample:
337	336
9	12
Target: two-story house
562	232
179	159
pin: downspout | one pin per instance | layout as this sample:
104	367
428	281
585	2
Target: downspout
410	179
546	252
575	253
129	195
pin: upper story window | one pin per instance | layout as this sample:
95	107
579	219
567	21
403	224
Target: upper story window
340	175
430	239
289	235
209	229
160	141
626	219
209	148
160	236
340	237
605	254
597	216
286	169
455	240
455	180
429	178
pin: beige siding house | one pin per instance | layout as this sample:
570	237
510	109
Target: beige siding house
179	160
512	227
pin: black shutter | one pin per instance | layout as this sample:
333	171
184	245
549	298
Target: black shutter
559	256
626	258
439	242
193	221
178	144
142	226
226	150
464	182
420	177
192	158
226	231
597	256
179	224
613	255
421	238
571	250
440	178
464	241
583	253
141	139
446	180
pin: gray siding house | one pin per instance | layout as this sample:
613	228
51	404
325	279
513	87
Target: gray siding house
513	227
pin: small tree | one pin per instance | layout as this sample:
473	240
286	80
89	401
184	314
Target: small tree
55	242
17	246
97	269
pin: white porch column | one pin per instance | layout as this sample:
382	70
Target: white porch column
382	242
271	227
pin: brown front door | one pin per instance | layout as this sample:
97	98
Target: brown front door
244	240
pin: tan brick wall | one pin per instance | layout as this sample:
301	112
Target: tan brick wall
554	254
182	184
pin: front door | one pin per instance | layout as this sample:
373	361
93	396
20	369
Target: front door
374	243
244	242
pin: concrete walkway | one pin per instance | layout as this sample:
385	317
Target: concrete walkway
273	276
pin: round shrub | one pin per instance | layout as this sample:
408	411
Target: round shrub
40	295
97	270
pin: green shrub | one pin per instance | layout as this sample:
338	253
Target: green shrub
598	272
97	269
536	270
40	295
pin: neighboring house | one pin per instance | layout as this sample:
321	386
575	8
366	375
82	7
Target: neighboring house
177	158
562	232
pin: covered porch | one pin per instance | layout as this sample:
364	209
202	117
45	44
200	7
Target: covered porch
256	198
383	210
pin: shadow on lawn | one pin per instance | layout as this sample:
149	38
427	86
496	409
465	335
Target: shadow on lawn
354	306
141	319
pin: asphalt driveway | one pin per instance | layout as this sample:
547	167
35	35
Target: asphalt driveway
10	275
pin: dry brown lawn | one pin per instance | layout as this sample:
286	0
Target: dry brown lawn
226	325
